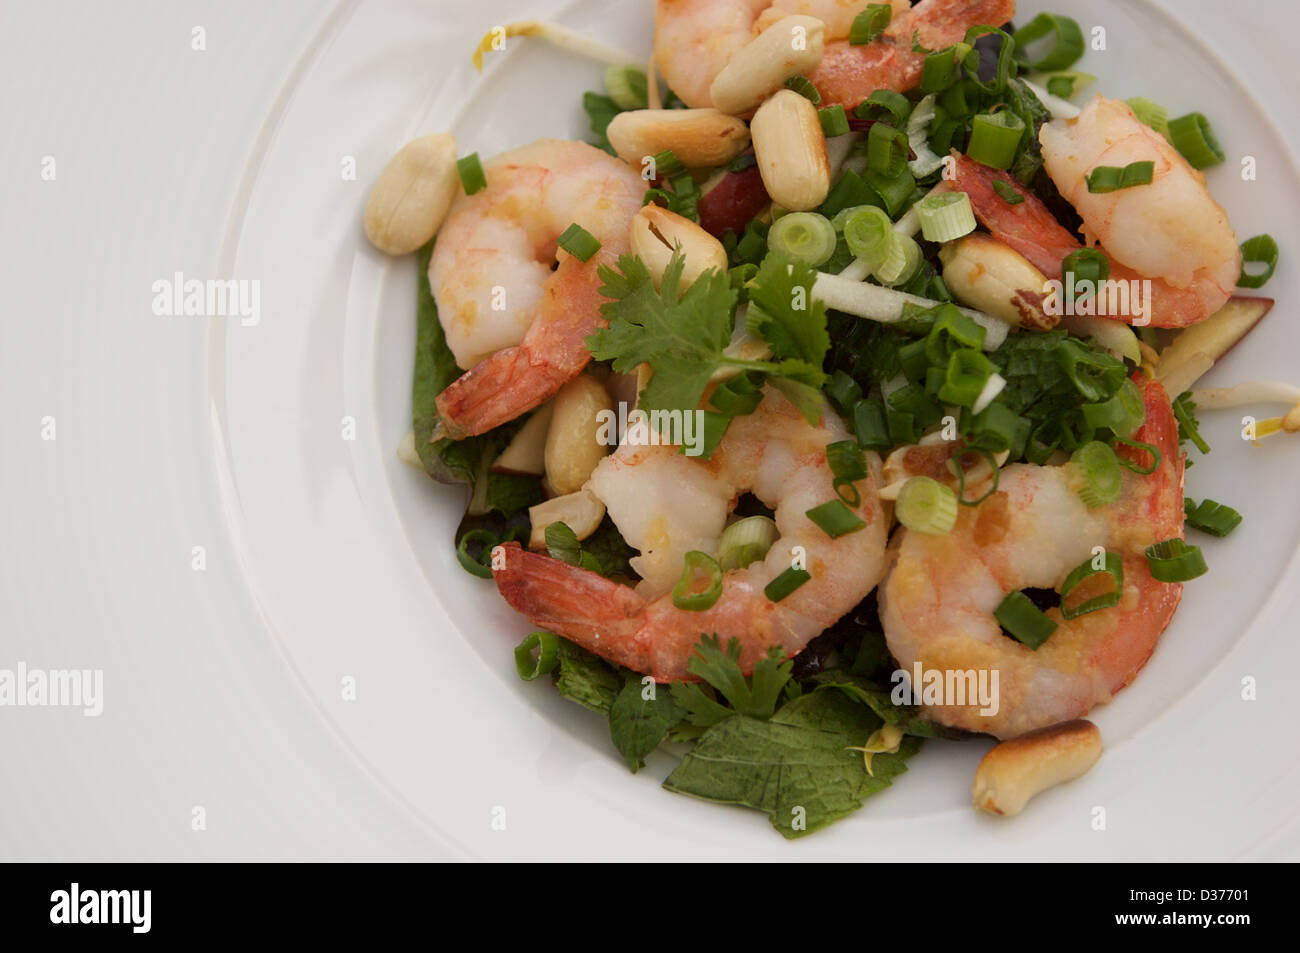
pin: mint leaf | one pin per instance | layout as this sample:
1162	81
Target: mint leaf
906	718
586	679
795	767
601	110
637	724
604	552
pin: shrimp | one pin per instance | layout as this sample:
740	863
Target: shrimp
695	39
937	602
1172	231
520	327
665	504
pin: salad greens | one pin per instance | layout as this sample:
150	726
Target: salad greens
807	739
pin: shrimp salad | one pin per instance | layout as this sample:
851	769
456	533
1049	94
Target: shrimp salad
837	397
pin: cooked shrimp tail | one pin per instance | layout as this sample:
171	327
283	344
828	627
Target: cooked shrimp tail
519	326
667	504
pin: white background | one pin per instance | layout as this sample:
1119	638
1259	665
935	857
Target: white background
150	140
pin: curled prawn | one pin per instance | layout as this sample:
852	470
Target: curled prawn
695	39
1171	231
516	310
938	599
665	504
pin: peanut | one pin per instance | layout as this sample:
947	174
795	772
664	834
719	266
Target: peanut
412	194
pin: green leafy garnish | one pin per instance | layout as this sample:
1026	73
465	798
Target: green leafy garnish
797	767
682	339
756	696
586	679
640	719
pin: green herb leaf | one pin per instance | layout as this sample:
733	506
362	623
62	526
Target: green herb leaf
586	679
783	312
682	340
637	723
796	767
905	717
756	695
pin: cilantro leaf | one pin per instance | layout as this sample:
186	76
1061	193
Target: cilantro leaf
756	696
784	313
681	339
640	719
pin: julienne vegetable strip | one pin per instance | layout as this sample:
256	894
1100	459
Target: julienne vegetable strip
848	308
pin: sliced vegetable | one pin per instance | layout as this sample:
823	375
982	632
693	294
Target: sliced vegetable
786	583
945	217
579	242
803	236
1260	250
546	645
926	506
1109	178
1114	567
745	541
995	138
1023	620
1066	42
1174	561
1192	136
471	173
701	583
835	519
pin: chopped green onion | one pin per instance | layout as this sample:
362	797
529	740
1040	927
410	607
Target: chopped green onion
1006	67
1067	42
967	372
914	400
1063	83
887	105
894	192
1088	265
887	150
869	421
1109	178
901	426
476	565
1150	114
844	392
1009	194
667	165
905	257
926	506
846	460
945	217
746	541
471	173
1174	561
1107	600
579	242
1094	375
997	428
834	121
1154	451
939	70
1192	136
870	236
1260	250
687	594
951	330
805	88
960	100
870	23
995	138
956	469
739	396
547	645
1210	517
1023	620
1103	478
835	519
627	86
1123	413
786	583
803	236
